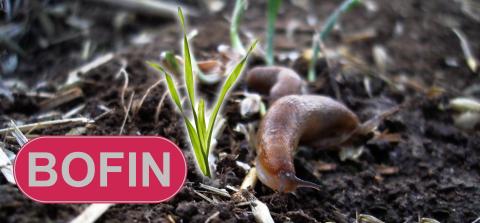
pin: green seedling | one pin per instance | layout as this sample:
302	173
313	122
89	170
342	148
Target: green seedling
238	11
199	132
273	6
325	31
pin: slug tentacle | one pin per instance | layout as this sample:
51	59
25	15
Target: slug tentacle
307	184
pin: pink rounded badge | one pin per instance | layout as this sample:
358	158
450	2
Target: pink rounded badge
100	169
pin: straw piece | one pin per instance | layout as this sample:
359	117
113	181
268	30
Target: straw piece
45	124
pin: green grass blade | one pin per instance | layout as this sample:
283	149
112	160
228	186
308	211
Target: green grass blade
188	68
333	18
238	11
202	129
326	29
232	78
170	84
180	15
202	158
188	72
273	6
311	76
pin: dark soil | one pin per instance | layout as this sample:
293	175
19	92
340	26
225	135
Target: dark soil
437	165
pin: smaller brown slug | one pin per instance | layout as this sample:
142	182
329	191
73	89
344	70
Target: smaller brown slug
319	121
275	81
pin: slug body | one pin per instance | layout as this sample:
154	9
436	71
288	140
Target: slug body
308	119
275	81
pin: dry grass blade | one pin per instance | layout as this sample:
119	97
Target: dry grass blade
126	113
6	167
139	105
213	216
476	220
61	98
73	75
73	111
104	114
159	107
151	7
215	190
124	88
19	136
91	213
467	52
45	124
204	197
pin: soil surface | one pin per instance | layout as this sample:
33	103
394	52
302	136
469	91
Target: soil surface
432	170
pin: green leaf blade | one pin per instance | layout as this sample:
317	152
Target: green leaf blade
188	70
326	29
272	11
170	85
202	129
232	78
182	19
238	12
201	157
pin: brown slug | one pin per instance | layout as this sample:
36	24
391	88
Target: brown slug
275	81
296	118
313	120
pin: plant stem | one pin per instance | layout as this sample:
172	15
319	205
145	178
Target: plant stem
238	12
207	167
326	29
273	6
